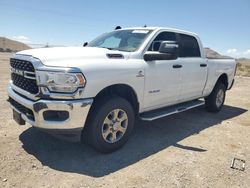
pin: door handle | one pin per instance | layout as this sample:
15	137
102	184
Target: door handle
177	66
140	74
203	65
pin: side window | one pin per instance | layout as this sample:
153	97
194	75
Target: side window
164	36
188	46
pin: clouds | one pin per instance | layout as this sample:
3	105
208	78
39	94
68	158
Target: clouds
231	51
247	52
21	38
237	53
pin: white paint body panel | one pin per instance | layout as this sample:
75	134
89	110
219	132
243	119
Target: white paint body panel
162	84
175	85
193	78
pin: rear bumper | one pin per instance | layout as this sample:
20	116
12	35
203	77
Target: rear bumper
76	110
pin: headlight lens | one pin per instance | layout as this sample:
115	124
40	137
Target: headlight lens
60	81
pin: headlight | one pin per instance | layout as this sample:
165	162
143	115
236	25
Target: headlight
60	81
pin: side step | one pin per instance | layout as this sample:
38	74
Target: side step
163	112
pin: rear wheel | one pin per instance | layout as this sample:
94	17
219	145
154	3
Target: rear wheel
110	124
215	100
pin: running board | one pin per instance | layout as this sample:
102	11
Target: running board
167	111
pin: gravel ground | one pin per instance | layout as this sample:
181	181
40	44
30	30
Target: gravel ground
191	149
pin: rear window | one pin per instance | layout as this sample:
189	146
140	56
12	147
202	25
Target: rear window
188	46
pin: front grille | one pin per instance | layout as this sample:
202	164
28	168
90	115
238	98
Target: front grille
22	109
25	81
22	65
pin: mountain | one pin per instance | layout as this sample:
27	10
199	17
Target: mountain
8	45
211	54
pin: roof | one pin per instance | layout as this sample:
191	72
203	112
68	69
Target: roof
163	28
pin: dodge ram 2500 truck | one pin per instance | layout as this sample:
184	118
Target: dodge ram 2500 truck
94	93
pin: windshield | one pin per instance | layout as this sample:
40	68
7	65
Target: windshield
123	40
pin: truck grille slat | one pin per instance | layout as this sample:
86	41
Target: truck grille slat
26	83
22	65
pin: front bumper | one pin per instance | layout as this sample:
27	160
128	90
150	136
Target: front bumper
77	111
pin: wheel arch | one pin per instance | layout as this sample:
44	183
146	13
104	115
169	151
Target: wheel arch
223	78
122	90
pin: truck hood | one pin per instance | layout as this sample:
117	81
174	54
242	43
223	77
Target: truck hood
71	56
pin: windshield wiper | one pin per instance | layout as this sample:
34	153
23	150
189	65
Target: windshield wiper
105	47
117	49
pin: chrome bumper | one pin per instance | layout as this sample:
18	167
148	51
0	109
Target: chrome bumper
77	110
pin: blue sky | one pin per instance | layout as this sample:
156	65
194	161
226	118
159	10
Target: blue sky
223	25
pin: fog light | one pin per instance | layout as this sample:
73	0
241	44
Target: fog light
55	115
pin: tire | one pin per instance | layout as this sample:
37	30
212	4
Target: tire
215	101
107	120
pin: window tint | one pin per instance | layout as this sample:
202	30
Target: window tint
188	46
164	36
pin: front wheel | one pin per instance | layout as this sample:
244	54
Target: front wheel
110	124
215	100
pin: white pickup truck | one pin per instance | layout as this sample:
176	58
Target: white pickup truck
94	93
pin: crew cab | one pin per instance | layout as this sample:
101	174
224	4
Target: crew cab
94	93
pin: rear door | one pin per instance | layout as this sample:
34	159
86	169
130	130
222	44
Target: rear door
194	68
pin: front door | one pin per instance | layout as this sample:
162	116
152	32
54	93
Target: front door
162	77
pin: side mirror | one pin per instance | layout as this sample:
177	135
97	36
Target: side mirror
168	50
170	47
85	44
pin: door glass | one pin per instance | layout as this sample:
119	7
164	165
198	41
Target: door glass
164	36
189	46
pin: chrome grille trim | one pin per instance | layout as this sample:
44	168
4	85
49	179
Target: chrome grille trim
29	75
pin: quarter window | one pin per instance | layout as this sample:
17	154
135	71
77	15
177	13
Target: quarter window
188	46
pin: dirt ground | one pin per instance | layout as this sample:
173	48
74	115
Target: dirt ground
191	149
243	67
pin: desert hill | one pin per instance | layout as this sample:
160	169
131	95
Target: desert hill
8	45
211	54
